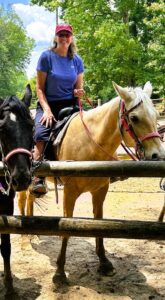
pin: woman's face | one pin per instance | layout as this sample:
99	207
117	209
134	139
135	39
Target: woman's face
64	38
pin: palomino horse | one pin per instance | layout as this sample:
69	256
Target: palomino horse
94	136
16	140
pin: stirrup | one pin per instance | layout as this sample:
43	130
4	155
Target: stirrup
38	187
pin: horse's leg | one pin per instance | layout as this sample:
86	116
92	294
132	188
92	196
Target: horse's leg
21	198
98	197
25	198
6	252
68	207
30	201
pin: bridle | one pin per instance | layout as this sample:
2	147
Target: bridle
124	123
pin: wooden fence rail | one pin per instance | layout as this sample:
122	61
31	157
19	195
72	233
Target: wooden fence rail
83	227
99	168
86	227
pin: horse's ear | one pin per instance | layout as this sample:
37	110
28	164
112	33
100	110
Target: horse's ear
148	88
27	96
122	92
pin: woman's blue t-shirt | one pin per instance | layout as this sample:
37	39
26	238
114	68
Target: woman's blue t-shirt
61	74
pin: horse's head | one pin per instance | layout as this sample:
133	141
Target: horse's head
16	139
138	117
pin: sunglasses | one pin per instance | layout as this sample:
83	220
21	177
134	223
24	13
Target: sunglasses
67	35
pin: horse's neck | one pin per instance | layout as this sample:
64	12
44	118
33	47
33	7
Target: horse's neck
103	122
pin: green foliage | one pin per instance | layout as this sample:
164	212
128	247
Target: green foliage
155	24
34	94
121	42
49	4
15	50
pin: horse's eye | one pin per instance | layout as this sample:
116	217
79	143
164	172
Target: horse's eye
134	119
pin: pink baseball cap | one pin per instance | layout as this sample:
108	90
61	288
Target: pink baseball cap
65	27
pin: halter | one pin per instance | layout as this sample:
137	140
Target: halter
15	151
124	123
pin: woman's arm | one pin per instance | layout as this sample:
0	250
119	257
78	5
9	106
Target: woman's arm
47	116
40	89
78	90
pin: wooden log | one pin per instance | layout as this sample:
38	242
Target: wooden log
83	227
99	168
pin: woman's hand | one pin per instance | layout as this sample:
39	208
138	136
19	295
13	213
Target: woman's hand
47	119
78	92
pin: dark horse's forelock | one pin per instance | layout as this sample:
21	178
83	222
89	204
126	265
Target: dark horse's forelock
18	107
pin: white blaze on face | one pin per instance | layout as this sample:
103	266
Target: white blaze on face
12	117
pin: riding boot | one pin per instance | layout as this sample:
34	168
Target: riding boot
38	186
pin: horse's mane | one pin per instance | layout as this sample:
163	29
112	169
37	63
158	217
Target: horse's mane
140	95
18	107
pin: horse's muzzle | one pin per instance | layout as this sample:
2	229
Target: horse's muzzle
21	182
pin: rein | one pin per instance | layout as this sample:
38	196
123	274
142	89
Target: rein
124	123
89	133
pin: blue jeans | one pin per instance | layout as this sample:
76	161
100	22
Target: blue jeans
41	132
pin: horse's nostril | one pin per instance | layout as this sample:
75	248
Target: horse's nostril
155	156
21	183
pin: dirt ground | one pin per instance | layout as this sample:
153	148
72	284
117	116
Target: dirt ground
139	264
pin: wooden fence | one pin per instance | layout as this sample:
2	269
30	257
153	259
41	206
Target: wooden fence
100	168
86	226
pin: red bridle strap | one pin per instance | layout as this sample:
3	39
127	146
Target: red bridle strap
149	136
124	123
16	151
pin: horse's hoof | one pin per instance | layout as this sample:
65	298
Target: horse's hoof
60	279
60	283
11	294
106	269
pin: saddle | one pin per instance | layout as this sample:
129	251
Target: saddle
63	117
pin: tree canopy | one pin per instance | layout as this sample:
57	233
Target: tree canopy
118	40
15	50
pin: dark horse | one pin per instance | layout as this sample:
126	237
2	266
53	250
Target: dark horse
16	140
